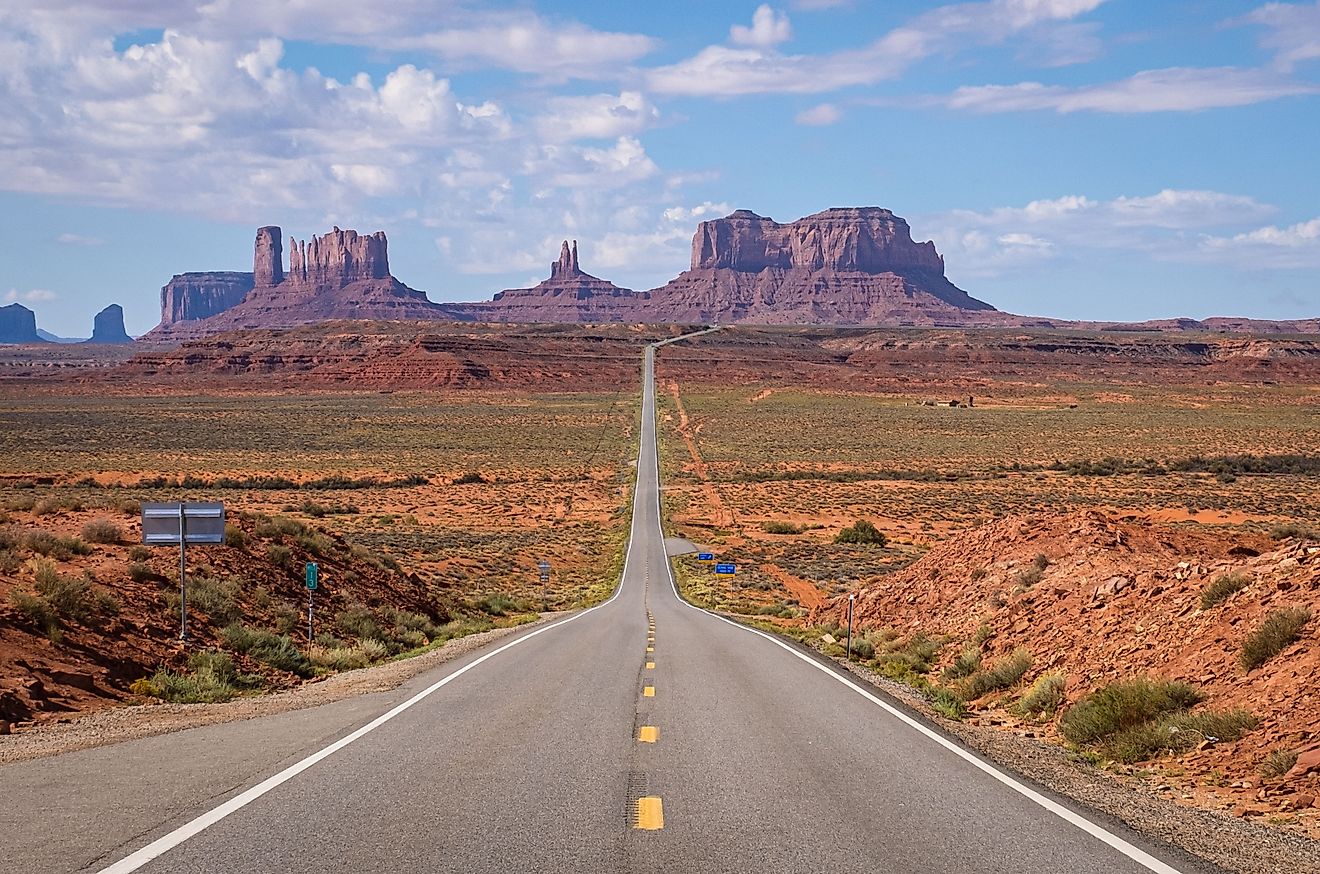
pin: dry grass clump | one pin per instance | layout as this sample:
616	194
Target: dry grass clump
1044	696
1221	587
102	531
1278	762
1280	628
1003	674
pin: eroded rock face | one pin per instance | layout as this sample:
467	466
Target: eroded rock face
569	295
109	326
189	297
863	239
18	324
337	259
268	259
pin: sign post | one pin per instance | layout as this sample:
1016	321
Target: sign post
183	523
726	569
313	577
544	567
852	596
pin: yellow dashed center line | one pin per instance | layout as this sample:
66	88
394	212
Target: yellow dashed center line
648	691
648	734
650	649
650	813
650	666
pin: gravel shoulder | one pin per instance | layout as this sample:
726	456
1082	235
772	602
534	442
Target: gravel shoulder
119	724
1232	843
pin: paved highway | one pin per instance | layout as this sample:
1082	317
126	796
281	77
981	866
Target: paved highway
642	735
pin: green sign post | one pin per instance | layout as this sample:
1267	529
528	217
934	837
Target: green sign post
313	577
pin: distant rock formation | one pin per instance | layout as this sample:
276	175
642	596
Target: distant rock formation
341	275
18	324
856	266
569	295
109	326
191	297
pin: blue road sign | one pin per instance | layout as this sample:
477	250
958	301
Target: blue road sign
313	573
726	568
705	556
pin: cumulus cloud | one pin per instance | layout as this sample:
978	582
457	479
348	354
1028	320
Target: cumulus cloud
1292	31
820	115
1169	224
597	116
769	28
1293	246
1176	89
759	68
36	295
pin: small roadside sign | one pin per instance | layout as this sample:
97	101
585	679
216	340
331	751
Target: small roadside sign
705	556
313	576
726	569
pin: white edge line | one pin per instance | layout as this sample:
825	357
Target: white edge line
193	827
1096	830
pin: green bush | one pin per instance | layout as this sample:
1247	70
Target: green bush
358	621
863	648
912	657
38	611
276	650
947	702
1123	705
472	477
1280	628
102	531
1278	762
280	556
497	605
862	532
1221	587
56	547
214	597
212	679
9	561
967	663
1044	696
1178	733
139	572
139	553
775	526
1003	674
235	536
1286	530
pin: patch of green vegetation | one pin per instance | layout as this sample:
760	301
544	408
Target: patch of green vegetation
1218	590
276	650
862	532
946	702
212	679
776	526
1279	629
1287	530
102	531
1123	705
1278	762
967	663
1044	696
1003	674
1178	733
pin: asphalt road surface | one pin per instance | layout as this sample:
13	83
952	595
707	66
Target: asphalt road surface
642	735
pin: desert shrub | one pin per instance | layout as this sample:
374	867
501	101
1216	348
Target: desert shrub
47	506
358	621
496	605
946	702
909	658
1003	674
862	532
102	531
71	598
212	678
21	503
215	598
1041	561
139	553
1029	577
1278	762
472	477
139	572
1123	705
280	556
279	526
967	663
235	536
979	574
1218	590
314	542
10	538
984	632
129	506
9	561
39	612
276	650
1286	530
1280	628
54	546
1044	696
863	648
1176	732
774	526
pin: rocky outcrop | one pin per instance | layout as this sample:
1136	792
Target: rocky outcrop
109	326
569	295
18	324
341	275
857	266
191	297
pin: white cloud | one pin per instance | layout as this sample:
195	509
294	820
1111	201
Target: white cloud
1294	246
1177	89
722	71
596	116
79	240
533	45
1160	225
1293	31
36	295
769	28
701	212
820	115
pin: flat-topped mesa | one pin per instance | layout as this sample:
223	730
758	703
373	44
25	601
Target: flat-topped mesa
857	239
190	297
18	324
337	259
108	327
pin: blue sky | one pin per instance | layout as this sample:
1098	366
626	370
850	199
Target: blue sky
1106	159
